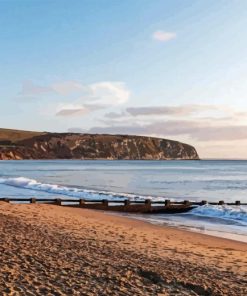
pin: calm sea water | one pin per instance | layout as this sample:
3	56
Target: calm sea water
211	180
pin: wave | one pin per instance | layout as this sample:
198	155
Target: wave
26	183
233	213
229	213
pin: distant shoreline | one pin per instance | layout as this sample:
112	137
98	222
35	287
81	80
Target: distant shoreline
16	144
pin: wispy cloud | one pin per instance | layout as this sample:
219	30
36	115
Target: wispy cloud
94	106
69	87
134	129
115	115
170	110
85	97
195	130
163	36
185	121
71	110
97	96
77	110
31	89
103	92
77	130
109	93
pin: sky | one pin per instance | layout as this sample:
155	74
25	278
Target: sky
172	69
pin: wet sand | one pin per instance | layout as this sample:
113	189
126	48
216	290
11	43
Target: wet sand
53	250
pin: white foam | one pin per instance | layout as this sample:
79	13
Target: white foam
232	213
237	213
32	184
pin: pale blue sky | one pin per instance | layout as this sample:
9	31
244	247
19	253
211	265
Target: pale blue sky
81	64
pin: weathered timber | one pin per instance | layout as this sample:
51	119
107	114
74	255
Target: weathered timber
125	205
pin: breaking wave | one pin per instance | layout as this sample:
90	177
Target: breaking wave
229	213
233	213
26	183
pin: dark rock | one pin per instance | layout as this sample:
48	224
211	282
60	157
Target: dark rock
152	276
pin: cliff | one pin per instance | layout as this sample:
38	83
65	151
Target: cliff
16	144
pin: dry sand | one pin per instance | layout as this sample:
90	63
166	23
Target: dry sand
52	250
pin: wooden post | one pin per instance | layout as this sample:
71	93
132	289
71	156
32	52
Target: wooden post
221	202
6	200
148	202
186	202
167	202
127	202
148	205
33	200
105	202
203	202
81	202
237	203
58	202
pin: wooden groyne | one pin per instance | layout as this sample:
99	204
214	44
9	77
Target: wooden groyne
131	206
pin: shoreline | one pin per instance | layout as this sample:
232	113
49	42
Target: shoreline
171	227
47	248
210	232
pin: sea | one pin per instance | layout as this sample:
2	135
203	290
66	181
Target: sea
210	180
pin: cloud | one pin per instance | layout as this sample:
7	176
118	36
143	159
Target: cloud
170	110
104	92
163	36
162	128
77	130
109	93
71	110
94	107
69	87
76	110
125	129
204	131
154	113
115	115
85	97
31	89
90	97
100	95
221	133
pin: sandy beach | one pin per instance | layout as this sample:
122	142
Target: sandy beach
53	250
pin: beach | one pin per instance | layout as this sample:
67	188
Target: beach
54	250
139	180
123	160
